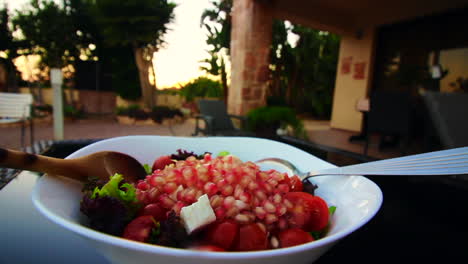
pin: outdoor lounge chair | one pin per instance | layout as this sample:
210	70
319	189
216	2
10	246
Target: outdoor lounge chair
448	113
16	108
217	121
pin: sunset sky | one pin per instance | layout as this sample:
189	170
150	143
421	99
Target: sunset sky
178	61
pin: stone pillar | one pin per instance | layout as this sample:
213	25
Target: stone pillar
252	22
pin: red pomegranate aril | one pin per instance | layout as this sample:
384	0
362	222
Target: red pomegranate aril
170	187
282	187
269	207
260	195
155	211
228	202
220	213
260	212
165	201
216	201
271	218
227	190
277	199
142	185
210	188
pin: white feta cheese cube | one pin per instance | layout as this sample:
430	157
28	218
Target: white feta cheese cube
197	214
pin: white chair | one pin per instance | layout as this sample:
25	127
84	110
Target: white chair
16	108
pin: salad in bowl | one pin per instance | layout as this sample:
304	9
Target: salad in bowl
206	202
205	206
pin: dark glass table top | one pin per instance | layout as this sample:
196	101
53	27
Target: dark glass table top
423	219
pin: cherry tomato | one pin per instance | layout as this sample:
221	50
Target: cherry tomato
294	236
155	211
161	162
308	212
207	248
251	237
139	229
222	234
296	184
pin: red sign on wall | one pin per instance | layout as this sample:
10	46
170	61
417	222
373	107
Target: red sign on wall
359	71
346	65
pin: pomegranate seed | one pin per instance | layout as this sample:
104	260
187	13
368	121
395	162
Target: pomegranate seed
252	186
269	207
227	190
242	218
260	195
277	198
282	187
222	183
232	211
274	242
152	195
216	200
198	194
245	197
260	212
210	188
230	178
240	205
268	187
272	182
178	206
170	187
281	210
156	181
142	186
228	202
288	204
244	182
189	196
270	218
220	213
166	202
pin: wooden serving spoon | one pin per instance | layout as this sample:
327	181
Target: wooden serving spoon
101	164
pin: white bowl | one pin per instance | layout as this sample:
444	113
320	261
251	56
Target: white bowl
357	200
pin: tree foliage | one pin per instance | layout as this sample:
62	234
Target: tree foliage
302	76
217	23
139	24
48	30
201	87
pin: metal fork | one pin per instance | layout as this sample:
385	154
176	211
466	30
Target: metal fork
443	162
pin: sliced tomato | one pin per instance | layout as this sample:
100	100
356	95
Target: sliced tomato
161	162
155	211
251	237
222	234
139	229
207	248
296	184
308	212
293	236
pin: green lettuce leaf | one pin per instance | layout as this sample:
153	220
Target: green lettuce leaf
126	192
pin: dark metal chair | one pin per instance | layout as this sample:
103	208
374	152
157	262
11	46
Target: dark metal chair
390	115
217	121
448	113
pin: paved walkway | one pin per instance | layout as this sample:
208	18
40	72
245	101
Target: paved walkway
318	131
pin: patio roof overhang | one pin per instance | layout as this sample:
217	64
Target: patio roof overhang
346	17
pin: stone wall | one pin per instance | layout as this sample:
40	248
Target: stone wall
250	47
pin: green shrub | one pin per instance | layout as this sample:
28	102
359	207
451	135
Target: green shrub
202	87
270	118
159	113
